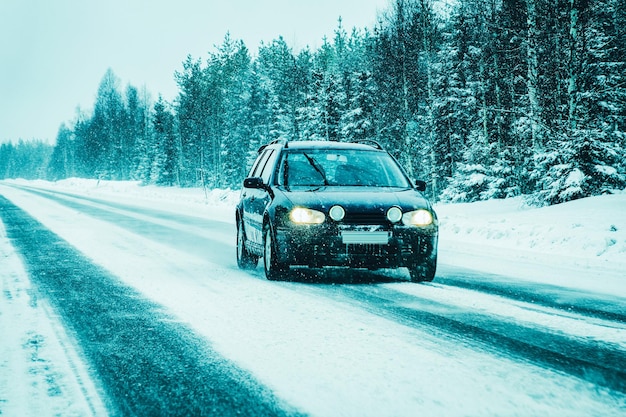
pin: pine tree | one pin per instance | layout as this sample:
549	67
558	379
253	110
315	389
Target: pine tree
395	54
276	67
191	112
7	157
62	163
600	99
585	158
162	163
457	84
104	145
310	110
233	76
136	130
358	122
259	117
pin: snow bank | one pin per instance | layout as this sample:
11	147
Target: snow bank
587	234
41	373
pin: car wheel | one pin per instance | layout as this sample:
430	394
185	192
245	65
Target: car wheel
424	272
274	269
245	259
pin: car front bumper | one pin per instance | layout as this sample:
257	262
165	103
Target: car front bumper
356	246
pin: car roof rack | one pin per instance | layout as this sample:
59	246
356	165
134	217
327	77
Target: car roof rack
284	142
369	142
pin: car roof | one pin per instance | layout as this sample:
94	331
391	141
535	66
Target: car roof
321	144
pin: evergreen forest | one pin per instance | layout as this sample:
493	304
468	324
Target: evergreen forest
489	99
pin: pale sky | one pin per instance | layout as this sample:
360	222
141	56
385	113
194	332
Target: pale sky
53	53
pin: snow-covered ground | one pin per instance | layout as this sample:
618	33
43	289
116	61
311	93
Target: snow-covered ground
581	244
585	238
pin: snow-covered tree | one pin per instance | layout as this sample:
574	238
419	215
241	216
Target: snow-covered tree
62	164
358	121
490	99
191	112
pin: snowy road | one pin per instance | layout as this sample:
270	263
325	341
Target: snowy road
166	323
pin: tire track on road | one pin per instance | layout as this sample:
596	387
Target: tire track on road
602	306
146	363
164	227
595	362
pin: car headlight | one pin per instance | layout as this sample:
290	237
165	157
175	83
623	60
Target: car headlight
301	215
420	217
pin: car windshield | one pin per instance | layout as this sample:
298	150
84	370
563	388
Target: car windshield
333	167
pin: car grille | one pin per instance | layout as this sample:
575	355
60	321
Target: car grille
365	218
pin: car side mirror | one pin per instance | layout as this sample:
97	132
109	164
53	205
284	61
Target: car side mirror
420	185
253	182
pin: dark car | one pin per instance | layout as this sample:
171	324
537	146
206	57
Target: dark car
318	204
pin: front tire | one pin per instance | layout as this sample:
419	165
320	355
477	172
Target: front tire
274	269
245	259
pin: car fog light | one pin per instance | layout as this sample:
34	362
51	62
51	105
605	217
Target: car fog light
394	214
418	218
337	213
302	215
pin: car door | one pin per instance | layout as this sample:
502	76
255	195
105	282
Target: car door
257	199
249	196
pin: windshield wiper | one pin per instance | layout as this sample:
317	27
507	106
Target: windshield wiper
317	167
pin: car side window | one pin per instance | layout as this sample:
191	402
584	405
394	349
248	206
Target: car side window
268	169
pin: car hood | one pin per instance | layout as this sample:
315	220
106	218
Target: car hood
358	198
